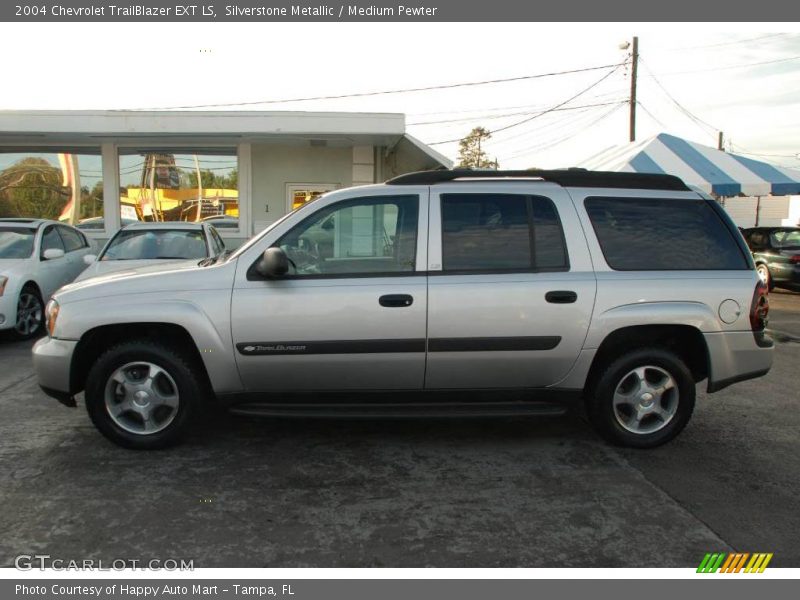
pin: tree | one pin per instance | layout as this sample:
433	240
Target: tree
470	153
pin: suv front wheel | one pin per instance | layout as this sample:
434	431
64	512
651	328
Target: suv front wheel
143	394
642	399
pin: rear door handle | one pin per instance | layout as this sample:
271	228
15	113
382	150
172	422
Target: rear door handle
396	300
561	297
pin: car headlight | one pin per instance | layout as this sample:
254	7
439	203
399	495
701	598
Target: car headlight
51	314
3	282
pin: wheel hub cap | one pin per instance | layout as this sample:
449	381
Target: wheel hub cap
646	399
141	398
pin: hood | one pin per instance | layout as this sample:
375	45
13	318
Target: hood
130	267
170	277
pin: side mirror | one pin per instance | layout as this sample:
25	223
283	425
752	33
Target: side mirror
273	264
53	253
89	258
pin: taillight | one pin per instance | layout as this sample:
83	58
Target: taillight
795	259
759	309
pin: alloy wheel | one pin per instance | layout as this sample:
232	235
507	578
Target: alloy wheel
141	398
29	314
646	399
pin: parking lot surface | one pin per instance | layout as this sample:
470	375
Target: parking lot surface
489	493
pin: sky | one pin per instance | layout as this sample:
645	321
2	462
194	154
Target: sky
742	79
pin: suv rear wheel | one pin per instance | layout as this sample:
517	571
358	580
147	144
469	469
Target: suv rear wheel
642	399
143	394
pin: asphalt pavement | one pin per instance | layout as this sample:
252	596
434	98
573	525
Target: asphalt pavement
542	492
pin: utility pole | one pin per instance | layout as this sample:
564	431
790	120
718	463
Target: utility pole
634	72
721	142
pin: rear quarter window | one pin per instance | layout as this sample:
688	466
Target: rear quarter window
662	234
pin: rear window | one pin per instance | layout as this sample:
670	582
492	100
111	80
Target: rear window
648	234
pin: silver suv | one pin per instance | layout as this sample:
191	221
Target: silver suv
482	293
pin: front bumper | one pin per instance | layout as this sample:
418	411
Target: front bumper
52	360
736	356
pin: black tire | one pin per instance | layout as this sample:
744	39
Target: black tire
29	293
184	371
600	397
762	268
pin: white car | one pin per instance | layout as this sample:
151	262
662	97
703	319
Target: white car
143	244
37	256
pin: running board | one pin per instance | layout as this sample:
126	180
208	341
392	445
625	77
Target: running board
400	410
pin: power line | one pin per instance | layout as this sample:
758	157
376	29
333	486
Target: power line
386	92
650	114
694	118
533	107
549	110
731	43
567	137
505	115
729	67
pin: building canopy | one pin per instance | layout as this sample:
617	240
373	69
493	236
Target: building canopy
712	171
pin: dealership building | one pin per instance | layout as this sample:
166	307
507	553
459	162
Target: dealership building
240	170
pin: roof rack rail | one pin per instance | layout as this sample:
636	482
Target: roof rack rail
563	177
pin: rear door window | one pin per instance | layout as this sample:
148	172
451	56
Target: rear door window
501	232
662	234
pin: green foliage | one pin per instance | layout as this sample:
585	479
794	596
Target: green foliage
212	180
471	153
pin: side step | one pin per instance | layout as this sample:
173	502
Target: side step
402	410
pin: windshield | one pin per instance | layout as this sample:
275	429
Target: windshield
144	244
786	238
16	242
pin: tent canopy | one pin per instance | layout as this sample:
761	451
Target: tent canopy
711	170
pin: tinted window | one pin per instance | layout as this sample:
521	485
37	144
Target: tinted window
496	232
638	234
72	239
367	235
51	239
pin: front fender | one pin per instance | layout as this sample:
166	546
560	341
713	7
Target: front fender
205	317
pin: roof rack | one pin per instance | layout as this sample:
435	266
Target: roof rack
563	177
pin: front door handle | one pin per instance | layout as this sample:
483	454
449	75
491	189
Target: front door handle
396	300
561	297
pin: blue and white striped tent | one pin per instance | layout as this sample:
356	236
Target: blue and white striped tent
713	171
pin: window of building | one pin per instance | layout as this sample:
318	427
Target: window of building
298	194
62	184
501	232
647	234
355	237
168	184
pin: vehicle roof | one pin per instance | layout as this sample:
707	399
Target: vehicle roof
563	177
164	225
24	222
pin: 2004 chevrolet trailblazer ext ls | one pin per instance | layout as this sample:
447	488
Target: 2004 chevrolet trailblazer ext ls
405	298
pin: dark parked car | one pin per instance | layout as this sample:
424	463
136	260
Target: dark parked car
776	251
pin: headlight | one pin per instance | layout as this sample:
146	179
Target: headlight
51	314
3	282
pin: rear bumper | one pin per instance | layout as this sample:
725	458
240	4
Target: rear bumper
52	360
736	356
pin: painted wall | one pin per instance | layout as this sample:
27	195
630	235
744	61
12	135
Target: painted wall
273	167
772	210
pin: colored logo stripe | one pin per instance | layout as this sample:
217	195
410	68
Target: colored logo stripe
734	562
